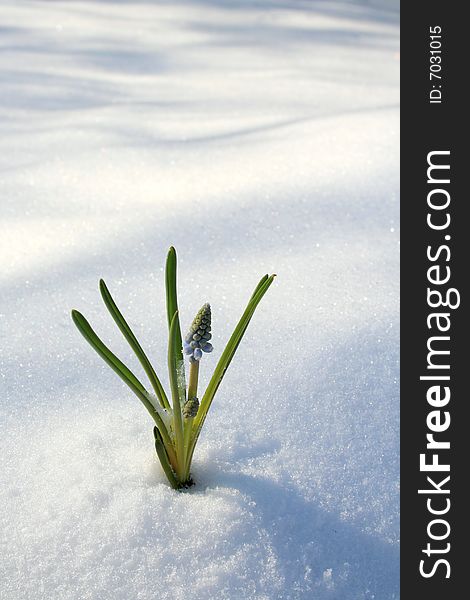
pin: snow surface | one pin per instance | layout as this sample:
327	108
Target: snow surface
255	136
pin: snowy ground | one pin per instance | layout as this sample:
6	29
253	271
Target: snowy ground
256	137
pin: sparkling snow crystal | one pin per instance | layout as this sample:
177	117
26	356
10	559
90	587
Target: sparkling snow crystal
251	136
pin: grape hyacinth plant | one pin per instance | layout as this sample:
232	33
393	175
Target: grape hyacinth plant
177	425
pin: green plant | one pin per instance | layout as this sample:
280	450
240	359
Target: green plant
177	426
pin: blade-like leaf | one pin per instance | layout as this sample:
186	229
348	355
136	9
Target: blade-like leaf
228	354
172	309
134	344
113	361
164	460
259	286
169	447
175	393
171	295
232	346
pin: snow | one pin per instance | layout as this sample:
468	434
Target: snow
256	137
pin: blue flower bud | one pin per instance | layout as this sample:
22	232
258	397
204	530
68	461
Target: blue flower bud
198	336
190	408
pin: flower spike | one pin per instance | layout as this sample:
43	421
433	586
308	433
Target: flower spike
197	339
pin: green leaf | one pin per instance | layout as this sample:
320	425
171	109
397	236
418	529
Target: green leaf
172	309
164	460
175	393
134	344
167	442
113	361
259	286
257	295
228	354
172	297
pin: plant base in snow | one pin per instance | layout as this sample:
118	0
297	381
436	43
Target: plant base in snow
177	425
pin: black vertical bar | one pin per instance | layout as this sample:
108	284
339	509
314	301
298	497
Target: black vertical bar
426	127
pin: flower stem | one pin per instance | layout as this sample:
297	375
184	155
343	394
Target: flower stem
193	379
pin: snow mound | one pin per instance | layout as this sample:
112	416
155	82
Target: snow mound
255	137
